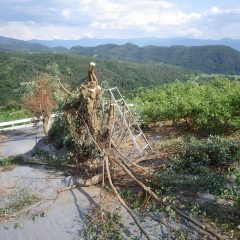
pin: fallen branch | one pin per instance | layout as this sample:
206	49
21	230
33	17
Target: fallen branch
98	178
49	197
122	201
151	193
126	158
92	181
147	158
106	163
158	199
147	189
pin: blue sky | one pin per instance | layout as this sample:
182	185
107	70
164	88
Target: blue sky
74	19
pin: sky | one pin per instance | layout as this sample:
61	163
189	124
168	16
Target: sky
75	19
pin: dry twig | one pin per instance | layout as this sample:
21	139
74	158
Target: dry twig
49	197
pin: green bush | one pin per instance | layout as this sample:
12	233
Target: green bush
214	151
212	106
169	181
12	114
191	170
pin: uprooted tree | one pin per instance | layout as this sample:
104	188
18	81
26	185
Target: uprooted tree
96	127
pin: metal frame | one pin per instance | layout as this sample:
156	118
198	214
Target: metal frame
135	123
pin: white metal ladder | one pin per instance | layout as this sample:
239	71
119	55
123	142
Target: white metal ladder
126	110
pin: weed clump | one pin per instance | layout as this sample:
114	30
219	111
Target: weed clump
102	224
7	161
17	201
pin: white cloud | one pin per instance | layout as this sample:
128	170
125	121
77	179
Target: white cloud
146	15
66	12
115	18
217	11
31	30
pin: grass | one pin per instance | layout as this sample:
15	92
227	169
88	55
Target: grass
11	160
13	114
101	224
5	162
16	202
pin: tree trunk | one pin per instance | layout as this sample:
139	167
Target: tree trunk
45	122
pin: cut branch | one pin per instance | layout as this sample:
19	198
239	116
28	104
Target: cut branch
122	201
158	199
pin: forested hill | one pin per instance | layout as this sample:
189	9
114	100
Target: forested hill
14	45
16	68
208	59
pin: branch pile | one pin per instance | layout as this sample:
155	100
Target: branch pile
91	119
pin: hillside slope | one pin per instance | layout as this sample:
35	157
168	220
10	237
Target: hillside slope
208	59
14	45
16	68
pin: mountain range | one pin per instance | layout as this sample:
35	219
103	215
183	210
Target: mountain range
208	58
15	45
141	42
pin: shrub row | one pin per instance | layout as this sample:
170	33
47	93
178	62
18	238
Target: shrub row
213	151
213	106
